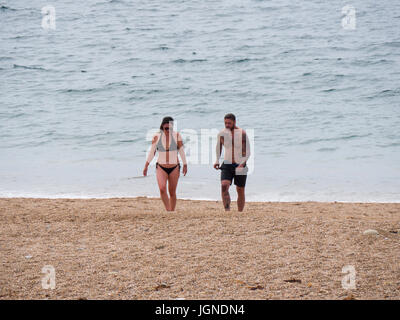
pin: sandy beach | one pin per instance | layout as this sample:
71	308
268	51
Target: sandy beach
130	248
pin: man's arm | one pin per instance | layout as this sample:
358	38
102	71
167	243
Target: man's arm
218	150
245	149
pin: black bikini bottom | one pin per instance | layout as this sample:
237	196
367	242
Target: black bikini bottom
168	170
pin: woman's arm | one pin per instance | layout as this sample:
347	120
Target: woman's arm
151	154
182	154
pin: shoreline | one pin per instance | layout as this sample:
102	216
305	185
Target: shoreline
131	248
198	199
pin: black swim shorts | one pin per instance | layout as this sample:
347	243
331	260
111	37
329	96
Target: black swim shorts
229	172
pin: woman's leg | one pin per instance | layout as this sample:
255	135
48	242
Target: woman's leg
172	184
162	178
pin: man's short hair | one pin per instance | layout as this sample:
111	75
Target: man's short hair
230	116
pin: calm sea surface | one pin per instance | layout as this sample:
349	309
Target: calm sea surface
78	102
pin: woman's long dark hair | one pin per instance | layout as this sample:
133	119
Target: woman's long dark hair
164	121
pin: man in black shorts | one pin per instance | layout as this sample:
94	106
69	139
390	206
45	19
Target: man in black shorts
237	151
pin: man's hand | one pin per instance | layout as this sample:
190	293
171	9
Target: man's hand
241	165
184	170
216	165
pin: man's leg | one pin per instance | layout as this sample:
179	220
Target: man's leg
226	198
241	198
240	182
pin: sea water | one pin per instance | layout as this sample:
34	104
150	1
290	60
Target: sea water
317	84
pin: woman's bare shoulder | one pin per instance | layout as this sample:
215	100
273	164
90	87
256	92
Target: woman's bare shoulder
155	137
178	135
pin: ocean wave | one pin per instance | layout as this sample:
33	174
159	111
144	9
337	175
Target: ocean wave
395	44
86	90
369	62
16	115
130	140
326	149
346	137
22	37
117	84
188	61
339	89
162	48
389	92
329	90
389	145
146	91
16	66
242	60
4	8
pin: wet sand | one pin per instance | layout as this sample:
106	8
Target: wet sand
130	248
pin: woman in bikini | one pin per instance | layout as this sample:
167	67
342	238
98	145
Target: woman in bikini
168	143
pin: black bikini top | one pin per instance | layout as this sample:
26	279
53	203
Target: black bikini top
172	147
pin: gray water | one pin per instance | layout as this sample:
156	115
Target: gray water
77	102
